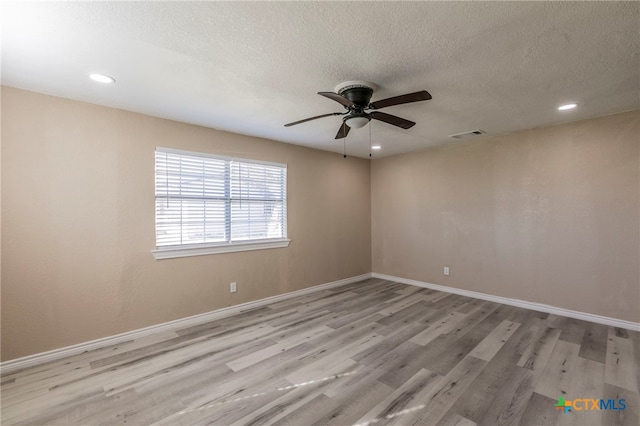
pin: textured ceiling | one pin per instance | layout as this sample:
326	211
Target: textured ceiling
251	67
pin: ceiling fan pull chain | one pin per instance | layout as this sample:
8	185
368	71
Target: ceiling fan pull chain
370	124
344	143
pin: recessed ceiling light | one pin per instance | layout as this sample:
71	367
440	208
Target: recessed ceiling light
101	78
376	147
567	106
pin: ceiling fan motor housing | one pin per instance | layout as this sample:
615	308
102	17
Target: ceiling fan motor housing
358	92
358	95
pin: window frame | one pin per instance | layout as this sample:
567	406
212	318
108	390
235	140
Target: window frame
200	249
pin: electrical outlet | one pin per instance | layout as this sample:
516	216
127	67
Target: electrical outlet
233	287
446	270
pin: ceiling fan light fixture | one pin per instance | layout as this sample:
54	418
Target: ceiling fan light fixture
357	121
376	147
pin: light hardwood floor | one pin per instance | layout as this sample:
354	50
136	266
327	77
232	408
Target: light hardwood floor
374	352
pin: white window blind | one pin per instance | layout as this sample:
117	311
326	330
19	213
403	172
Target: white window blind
203	199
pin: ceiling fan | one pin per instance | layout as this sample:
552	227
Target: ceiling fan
355	97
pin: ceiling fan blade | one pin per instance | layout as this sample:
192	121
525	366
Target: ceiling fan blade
343	131
402	99
312	118
392	119
338	98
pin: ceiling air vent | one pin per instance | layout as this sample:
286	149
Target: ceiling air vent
468	135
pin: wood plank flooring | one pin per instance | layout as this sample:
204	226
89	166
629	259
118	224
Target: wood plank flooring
373	352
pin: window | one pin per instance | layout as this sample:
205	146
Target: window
209	204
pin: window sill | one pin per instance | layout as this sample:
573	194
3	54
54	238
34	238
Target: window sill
201	250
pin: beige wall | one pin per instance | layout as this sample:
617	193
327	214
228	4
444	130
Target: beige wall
78	224
548	215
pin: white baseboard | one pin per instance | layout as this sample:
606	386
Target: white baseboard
517	302
14	365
